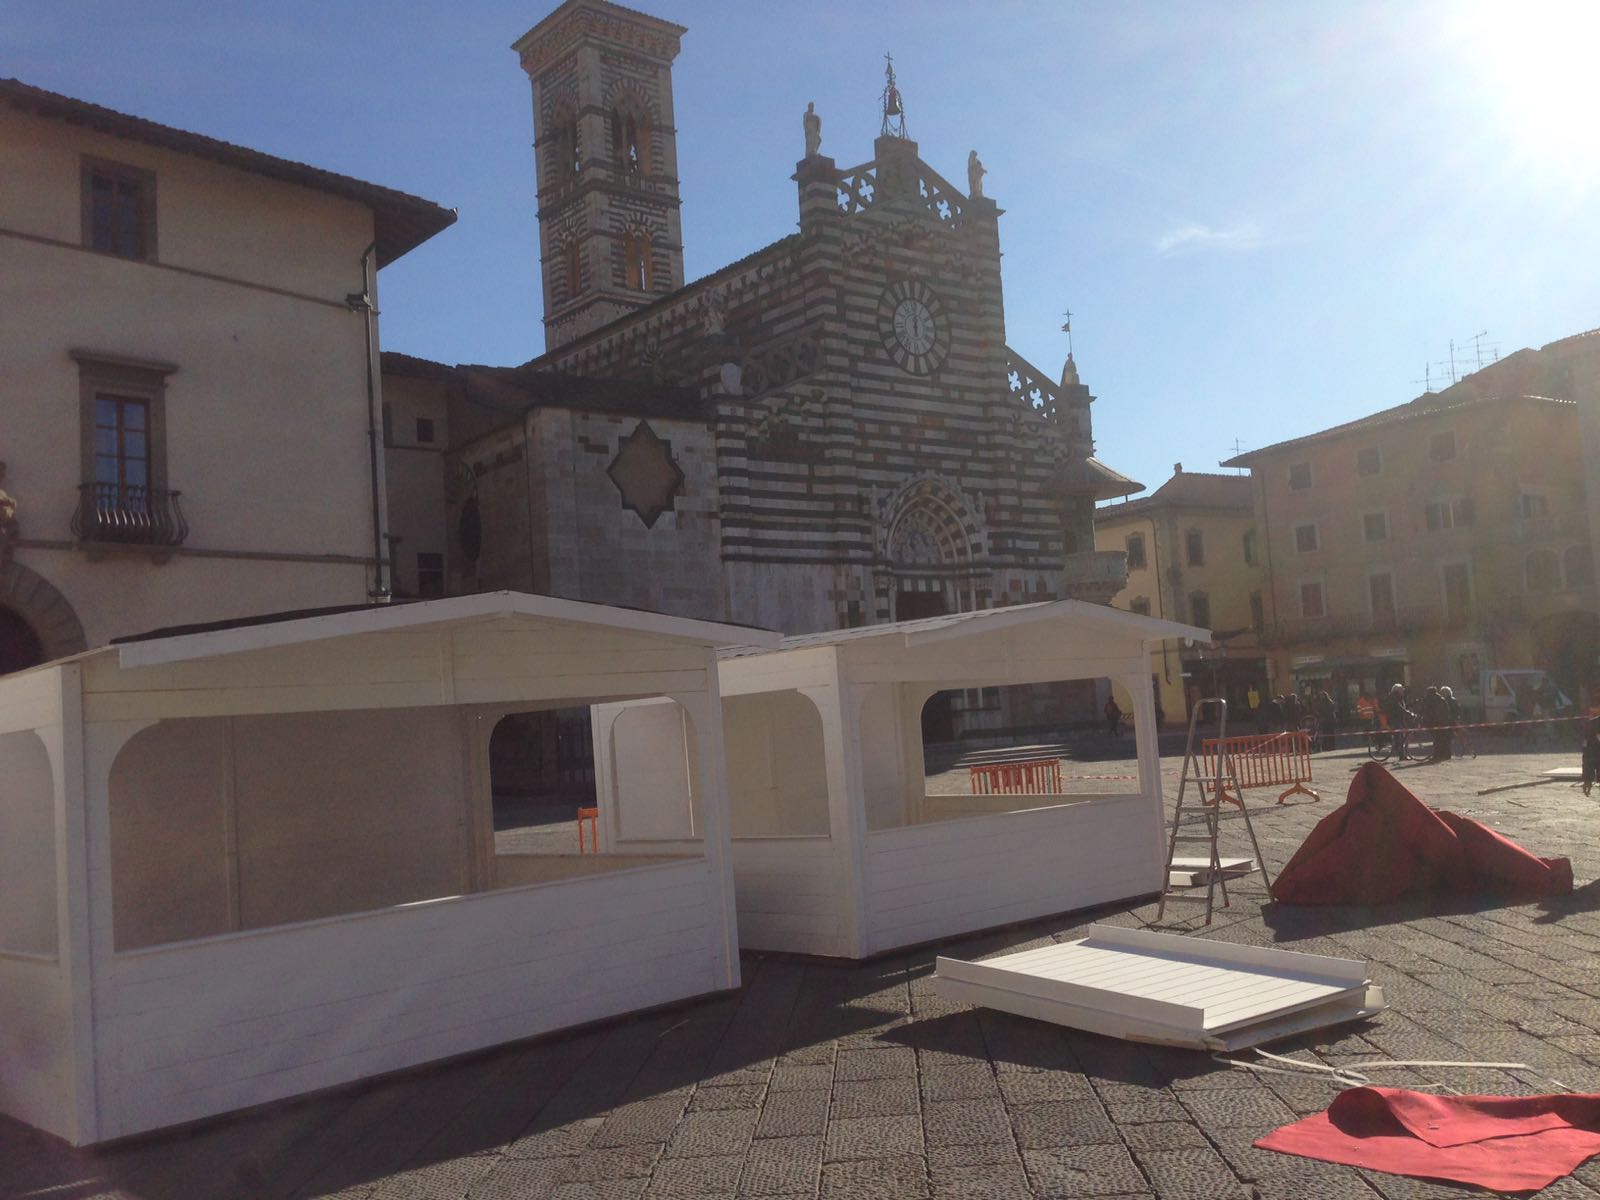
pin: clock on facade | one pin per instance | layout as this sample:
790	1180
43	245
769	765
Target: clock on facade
912	323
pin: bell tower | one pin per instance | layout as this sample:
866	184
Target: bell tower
606	154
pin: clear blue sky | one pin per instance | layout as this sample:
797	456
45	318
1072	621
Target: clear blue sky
1265	217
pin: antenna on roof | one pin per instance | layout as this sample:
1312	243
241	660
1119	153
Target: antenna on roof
1238	449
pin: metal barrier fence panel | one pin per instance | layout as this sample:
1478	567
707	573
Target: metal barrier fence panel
1261	760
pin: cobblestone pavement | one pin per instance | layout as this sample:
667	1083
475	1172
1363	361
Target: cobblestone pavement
831	1081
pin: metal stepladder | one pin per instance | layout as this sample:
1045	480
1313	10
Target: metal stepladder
1223	786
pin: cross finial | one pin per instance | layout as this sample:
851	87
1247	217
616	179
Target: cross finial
1066	328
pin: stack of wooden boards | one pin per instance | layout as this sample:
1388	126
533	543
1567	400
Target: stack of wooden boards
1167	988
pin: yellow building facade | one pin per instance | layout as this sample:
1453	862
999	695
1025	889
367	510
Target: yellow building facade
1193	557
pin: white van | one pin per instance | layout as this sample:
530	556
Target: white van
1499	689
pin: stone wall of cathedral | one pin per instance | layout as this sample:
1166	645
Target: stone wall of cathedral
852	488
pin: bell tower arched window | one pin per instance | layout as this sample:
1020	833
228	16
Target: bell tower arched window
625	141
636	261
572	149
572	267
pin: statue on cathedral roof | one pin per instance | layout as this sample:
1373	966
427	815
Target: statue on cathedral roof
975	174
813	125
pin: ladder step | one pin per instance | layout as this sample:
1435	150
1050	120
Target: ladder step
1193	837
1199	896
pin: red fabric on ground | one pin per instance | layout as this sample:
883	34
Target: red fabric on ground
1383	844
1505	1143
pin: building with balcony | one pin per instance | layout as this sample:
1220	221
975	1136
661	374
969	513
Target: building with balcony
1426	543
188	375
1193	556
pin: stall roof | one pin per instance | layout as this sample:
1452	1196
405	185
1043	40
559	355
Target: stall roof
259	633
986	620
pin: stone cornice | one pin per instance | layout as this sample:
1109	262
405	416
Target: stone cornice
581	19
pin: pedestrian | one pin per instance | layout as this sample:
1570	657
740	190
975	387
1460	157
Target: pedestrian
1293	711
1444	740
1591	753
1434	714
1366	709
1327	717
1397	714
1113	716
1161	716
1258	714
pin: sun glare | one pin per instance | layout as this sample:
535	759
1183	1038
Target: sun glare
1532	73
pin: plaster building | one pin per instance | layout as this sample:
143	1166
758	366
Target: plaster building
1194	557
829	432
1427	542
186	366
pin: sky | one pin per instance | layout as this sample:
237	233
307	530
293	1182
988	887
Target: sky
1265	218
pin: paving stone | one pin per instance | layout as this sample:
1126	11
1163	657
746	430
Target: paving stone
435	1181
721	1098
1164	1135
781	1166
555	1139
1037	1087
691	1178
873	1137
1083	1171
1231	1107
975	1154
702	1134
895	1062
1189	1175
641	1121
1146	1112
876	1098
991	1181
962	1081
1068	1123
601	1189
964	1122
803	1077
617	1162
793	1114
899	1177
520	1178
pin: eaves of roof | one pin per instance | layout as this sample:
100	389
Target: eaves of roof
1421	409
401	221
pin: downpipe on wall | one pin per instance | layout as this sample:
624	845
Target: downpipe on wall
382	590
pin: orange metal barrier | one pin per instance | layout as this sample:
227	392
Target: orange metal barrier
591	815
1261	760
1030	777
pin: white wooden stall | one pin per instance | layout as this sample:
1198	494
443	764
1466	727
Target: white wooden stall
838	849
243	863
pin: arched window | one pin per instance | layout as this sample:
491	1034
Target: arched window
1579	564
572	267
1543	571
636	261
625	143
572	147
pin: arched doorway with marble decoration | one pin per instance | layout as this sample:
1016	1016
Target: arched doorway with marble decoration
932	545
37	624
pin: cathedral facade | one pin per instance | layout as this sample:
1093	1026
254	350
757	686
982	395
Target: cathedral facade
829	432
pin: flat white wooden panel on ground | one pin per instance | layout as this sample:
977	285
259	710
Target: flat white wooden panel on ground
1163	987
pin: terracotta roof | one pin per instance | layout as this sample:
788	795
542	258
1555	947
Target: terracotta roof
1431	404
1188	489
401	221
1092	475
498	394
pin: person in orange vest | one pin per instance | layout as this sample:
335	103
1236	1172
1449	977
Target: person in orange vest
1366	709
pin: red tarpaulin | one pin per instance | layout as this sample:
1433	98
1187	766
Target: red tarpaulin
1505	1143
1384	844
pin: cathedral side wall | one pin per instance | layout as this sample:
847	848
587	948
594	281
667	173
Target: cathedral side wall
598	549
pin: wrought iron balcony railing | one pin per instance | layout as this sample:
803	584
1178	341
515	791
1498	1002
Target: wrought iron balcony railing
125	514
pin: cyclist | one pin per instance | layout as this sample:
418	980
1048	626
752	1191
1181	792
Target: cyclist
1397	715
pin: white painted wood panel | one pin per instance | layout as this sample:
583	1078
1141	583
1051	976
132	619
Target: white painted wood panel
789	898
939	879
1163	987
200	1028
36	1079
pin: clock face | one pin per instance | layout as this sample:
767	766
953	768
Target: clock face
913	326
